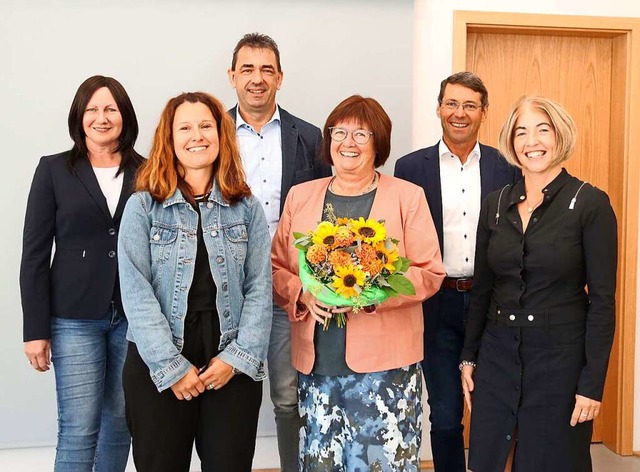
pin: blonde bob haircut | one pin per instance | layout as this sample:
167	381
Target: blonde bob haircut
561	122
162	173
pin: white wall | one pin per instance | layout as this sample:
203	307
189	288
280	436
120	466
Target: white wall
433	32
157	49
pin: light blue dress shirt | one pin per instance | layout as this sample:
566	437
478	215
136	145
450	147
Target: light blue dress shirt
261	154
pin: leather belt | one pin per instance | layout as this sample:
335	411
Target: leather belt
461	284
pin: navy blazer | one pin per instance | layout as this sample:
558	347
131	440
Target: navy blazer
422	167
66	205
301	144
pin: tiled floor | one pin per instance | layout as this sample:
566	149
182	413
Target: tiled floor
40	459
606	461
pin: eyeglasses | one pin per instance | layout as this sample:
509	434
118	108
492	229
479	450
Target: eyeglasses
466	106
359	136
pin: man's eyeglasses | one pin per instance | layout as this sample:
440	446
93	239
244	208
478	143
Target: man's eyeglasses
466	106
359	136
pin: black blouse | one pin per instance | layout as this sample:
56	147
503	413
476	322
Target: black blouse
570	242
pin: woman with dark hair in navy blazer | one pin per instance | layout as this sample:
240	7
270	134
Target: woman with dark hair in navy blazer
71	306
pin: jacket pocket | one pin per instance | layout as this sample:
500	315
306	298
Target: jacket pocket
237	238
162	239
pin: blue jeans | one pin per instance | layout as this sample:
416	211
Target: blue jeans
442	377
283	382
88	356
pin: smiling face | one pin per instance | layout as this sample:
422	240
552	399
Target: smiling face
534	141
195	137
102	121
256	79
350	157
460	127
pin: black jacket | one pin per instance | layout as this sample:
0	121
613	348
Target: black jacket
66	205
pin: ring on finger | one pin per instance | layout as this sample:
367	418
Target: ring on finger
187	396
584	414
210	386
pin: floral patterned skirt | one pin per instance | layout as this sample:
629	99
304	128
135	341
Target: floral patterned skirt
361	422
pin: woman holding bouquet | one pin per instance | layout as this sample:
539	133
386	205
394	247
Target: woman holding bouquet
360	386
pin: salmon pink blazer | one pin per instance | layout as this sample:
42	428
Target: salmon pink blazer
392	336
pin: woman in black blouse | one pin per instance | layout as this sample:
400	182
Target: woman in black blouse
541	321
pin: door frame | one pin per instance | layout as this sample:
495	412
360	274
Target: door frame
625	34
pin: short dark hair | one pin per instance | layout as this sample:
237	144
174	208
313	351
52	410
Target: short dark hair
256	41
469	80
367	112
129	133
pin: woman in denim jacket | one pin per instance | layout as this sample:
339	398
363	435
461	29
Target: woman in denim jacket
196	285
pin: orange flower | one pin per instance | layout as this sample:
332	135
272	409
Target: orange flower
339	258
317	253
366	253
343	237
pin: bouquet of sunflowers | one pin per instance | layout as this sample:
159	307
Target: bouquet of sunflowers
351	262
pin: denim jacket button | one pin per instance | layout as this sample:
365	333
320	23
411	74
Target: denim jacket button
209	205
219	259
226	314
224	287
156	237
214	233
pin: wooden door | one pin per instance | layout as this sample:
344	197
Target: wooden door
586	70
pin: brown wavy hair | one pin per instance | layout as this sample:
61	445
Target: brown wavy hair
163	173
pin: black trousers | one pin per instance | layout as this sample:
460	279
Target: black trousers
223	423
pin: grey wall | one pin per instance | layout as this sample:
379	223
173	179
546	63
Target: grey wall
157	49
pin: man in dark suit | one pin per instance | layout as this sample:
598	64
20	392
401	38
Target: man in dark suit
278	151
456	175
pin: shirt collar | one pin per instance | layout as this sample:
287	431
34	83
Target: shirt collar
551	189
241	123
443	150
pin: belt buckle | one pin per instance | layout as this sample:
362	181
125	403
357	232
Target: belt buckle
461	279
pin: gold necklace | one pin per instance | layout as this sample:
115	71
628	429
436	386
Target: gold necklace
531	208
369	187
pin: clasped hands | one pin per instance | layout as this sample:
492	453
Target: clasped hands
215	376
319	311
585	409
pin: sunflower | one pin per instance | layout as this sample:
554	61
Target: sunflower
325	234
317	253
348	281
387	253
370	231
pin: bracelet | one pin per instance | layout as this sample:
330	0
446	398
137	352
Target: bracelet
469	363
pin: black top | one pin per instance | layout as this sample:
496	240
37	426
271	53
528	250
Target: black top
202	294
201	324
570	242
330	345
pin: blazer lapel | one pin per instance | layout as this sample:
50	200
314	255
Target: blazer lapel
433	189
487	171
289	134
88	178
127	189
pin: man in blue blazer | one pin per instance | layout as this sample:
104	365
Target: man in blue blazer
278	151
456	175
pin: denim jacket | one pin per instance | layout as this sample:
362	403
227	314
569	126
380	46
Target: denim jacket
157	250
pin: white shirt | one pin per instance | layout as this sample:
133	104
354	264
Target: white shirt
110	185
461	196
262	161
